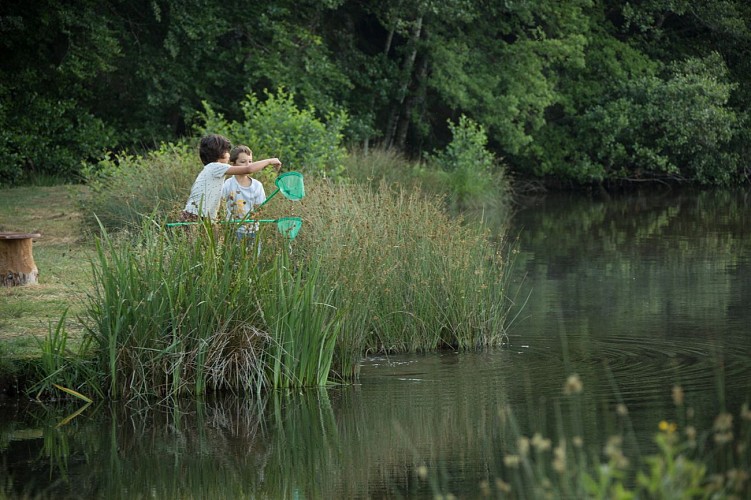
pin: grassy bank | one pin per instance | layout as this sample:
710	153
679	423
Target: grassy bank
62	255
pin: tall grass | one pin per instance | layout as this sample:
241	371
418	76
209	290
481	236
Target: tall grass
186	312
407	276
373	270
304	326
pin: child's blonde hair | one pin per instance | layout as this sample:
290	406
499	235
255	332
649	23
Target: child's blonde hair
235	153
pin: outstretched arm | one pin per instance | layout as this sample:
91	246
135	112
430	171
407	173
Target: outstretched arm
254	167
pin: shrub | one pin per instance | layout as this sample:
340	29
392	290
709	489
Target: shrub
469	171
678	126
49	138
276	127
124	188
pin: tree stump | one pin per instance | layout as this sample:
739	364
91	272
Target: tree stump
17	265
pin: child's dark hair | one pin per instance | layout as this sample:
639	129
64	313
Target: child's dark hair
236	152
213	147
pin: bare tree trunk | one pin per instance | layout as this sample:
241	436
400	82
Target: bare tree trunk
386	50
414	99
406	78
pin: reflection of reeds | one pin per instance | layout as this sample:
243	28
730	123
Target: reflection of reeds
328	443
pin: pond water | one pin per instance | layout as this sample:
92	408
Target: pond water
631	295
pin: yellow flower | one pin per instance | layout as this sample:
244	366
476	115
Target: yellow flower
668	427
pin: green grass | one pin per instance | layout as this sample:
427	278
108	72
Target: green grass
62	255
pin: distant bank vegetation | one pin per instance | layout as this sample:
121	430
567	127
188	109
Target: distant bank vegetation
570	93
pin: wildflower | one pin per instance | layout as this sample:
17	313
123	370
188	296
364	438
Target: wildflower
485	488
523	445
621	410
613	445
723	437
614	453
573	385
540	444
559	460
422	472
691	434
737	478
511	461
668	427
678	395
745	412
723	422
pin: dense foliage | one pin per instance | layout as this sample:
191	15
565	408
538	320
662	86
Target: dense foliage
583	91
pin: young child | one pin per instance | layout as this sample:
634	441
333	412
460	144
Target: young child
206	193
241	192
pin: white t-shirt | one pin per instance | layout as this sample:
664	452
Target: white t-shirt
206	192
239	200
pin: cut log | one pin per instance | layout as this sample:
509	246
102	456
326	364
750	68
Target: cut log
17	265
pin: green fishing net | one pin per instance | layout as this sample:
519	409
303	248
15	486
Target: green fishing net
289	226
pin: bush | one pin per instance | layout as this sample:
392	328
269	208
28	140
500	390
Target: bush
470	172
675	127
124	188
276	127
49	138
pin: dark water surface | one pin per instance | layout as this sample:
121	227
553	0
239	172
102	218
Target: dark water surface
634	294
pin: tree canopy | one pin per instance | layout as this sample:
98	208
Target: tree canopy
582	91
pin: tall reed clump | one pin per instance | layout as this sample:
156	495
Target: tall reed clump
304	326
407	276
180	312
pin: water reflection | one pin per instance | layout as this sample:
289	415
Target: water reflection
634	295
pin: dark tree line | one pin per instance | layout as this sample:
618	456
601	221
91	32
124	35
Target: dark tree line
575	91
